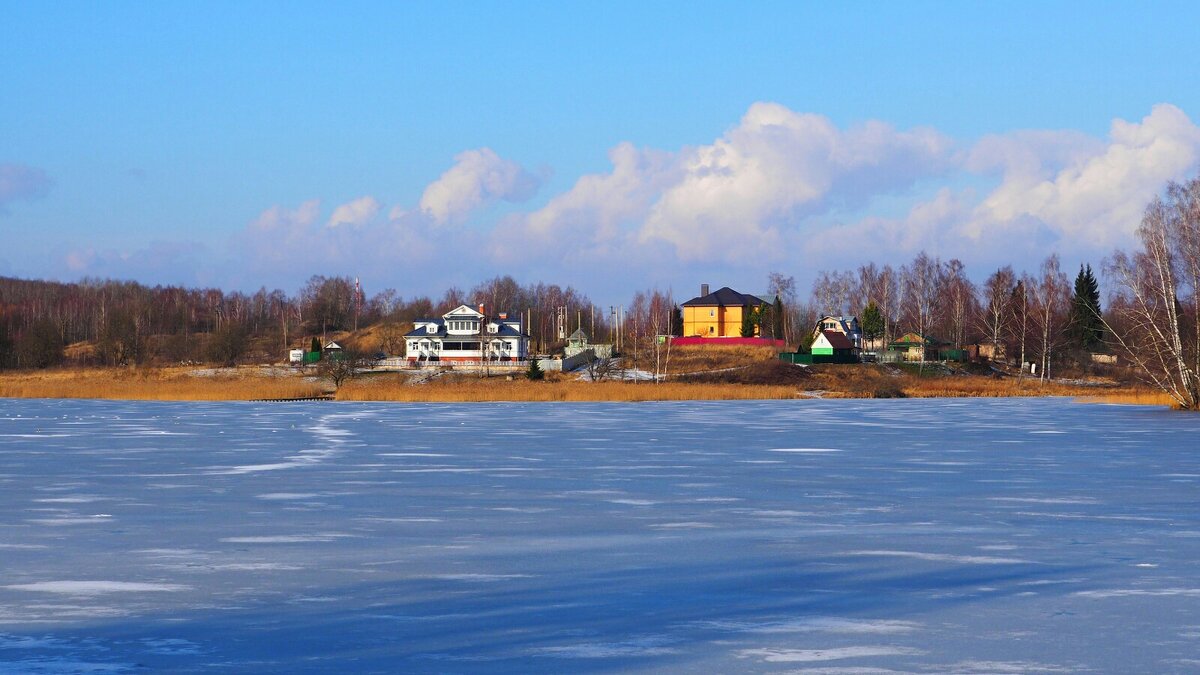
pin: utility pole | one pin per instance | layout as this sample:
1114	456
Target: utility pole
620	328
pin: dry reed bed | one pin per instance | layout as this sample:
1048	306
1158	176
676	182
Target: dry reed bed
1131	397
152	385
983	387
562	390
176	384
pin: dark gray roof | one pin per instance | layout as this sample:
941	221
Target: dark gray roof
422	332
724	297
503	330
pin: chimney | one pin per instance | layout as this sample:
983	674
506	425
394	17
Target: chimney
503	316
703	290
481	308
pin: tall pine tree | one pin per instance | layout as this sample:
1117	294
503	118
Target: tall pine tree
1086	329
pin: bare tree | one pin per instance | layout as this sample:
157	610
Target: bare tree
1185	238
1154	287
887	297
997	305
825	293
341	367
958	295
600	369
659	310
785	288
1051	296
637	321
1019	325
391	338
922	281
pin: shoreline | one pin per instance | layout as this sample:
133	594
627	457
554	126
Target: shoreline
272	383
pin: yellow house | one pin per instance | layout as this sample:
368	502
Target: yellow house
717	314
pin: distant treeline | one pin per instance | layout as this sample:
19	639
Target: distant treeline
124	323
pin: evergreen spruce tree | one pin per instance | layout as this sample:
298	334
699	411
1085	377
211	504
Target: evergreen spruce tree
1086	329
315	345
804	345
777	318
750	320
534	372
872	321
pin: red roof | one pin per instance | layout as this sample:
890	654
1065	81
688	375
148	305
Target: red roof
837	340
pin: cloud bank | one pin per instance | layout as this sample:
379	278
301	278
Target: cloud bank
779	189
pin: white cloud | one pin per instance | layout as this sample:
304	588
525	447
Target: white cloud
923	227
478	178
738	196
279	231
1089	192
357	212
292	243
597	216
20	182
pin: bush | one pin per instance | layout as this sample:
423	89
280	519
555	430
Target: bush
888	390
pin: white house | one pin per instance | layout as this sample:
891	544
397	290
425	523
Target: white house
464	335
846	325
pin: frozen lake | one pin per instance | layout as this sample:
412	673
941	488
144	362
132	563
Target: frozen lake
968	536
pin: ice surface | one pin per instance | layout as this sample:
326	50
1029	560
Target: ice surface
817	536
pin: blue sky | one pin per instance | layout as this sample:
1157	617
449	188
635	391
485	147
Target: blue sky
610	146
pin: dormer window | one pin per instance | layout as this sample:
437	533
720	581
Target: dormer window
492	328
430	328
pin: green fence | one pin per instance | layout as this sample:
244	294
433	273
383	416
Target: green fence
809	359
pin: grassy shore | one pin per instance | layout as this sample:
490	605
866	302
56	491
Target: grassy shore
156	384
761	379
390	389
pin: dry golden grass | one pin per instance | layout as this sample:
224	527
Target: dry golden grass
700	358
181	384
392	389
152	384
1131	397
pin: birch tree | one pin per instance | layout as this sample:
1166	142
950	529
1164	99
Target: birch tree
997	305
958	295
1157	326
784	287
922	280
1050	294
1020	319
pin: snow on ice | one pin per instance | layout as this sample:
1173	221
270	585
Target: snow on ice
841	536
